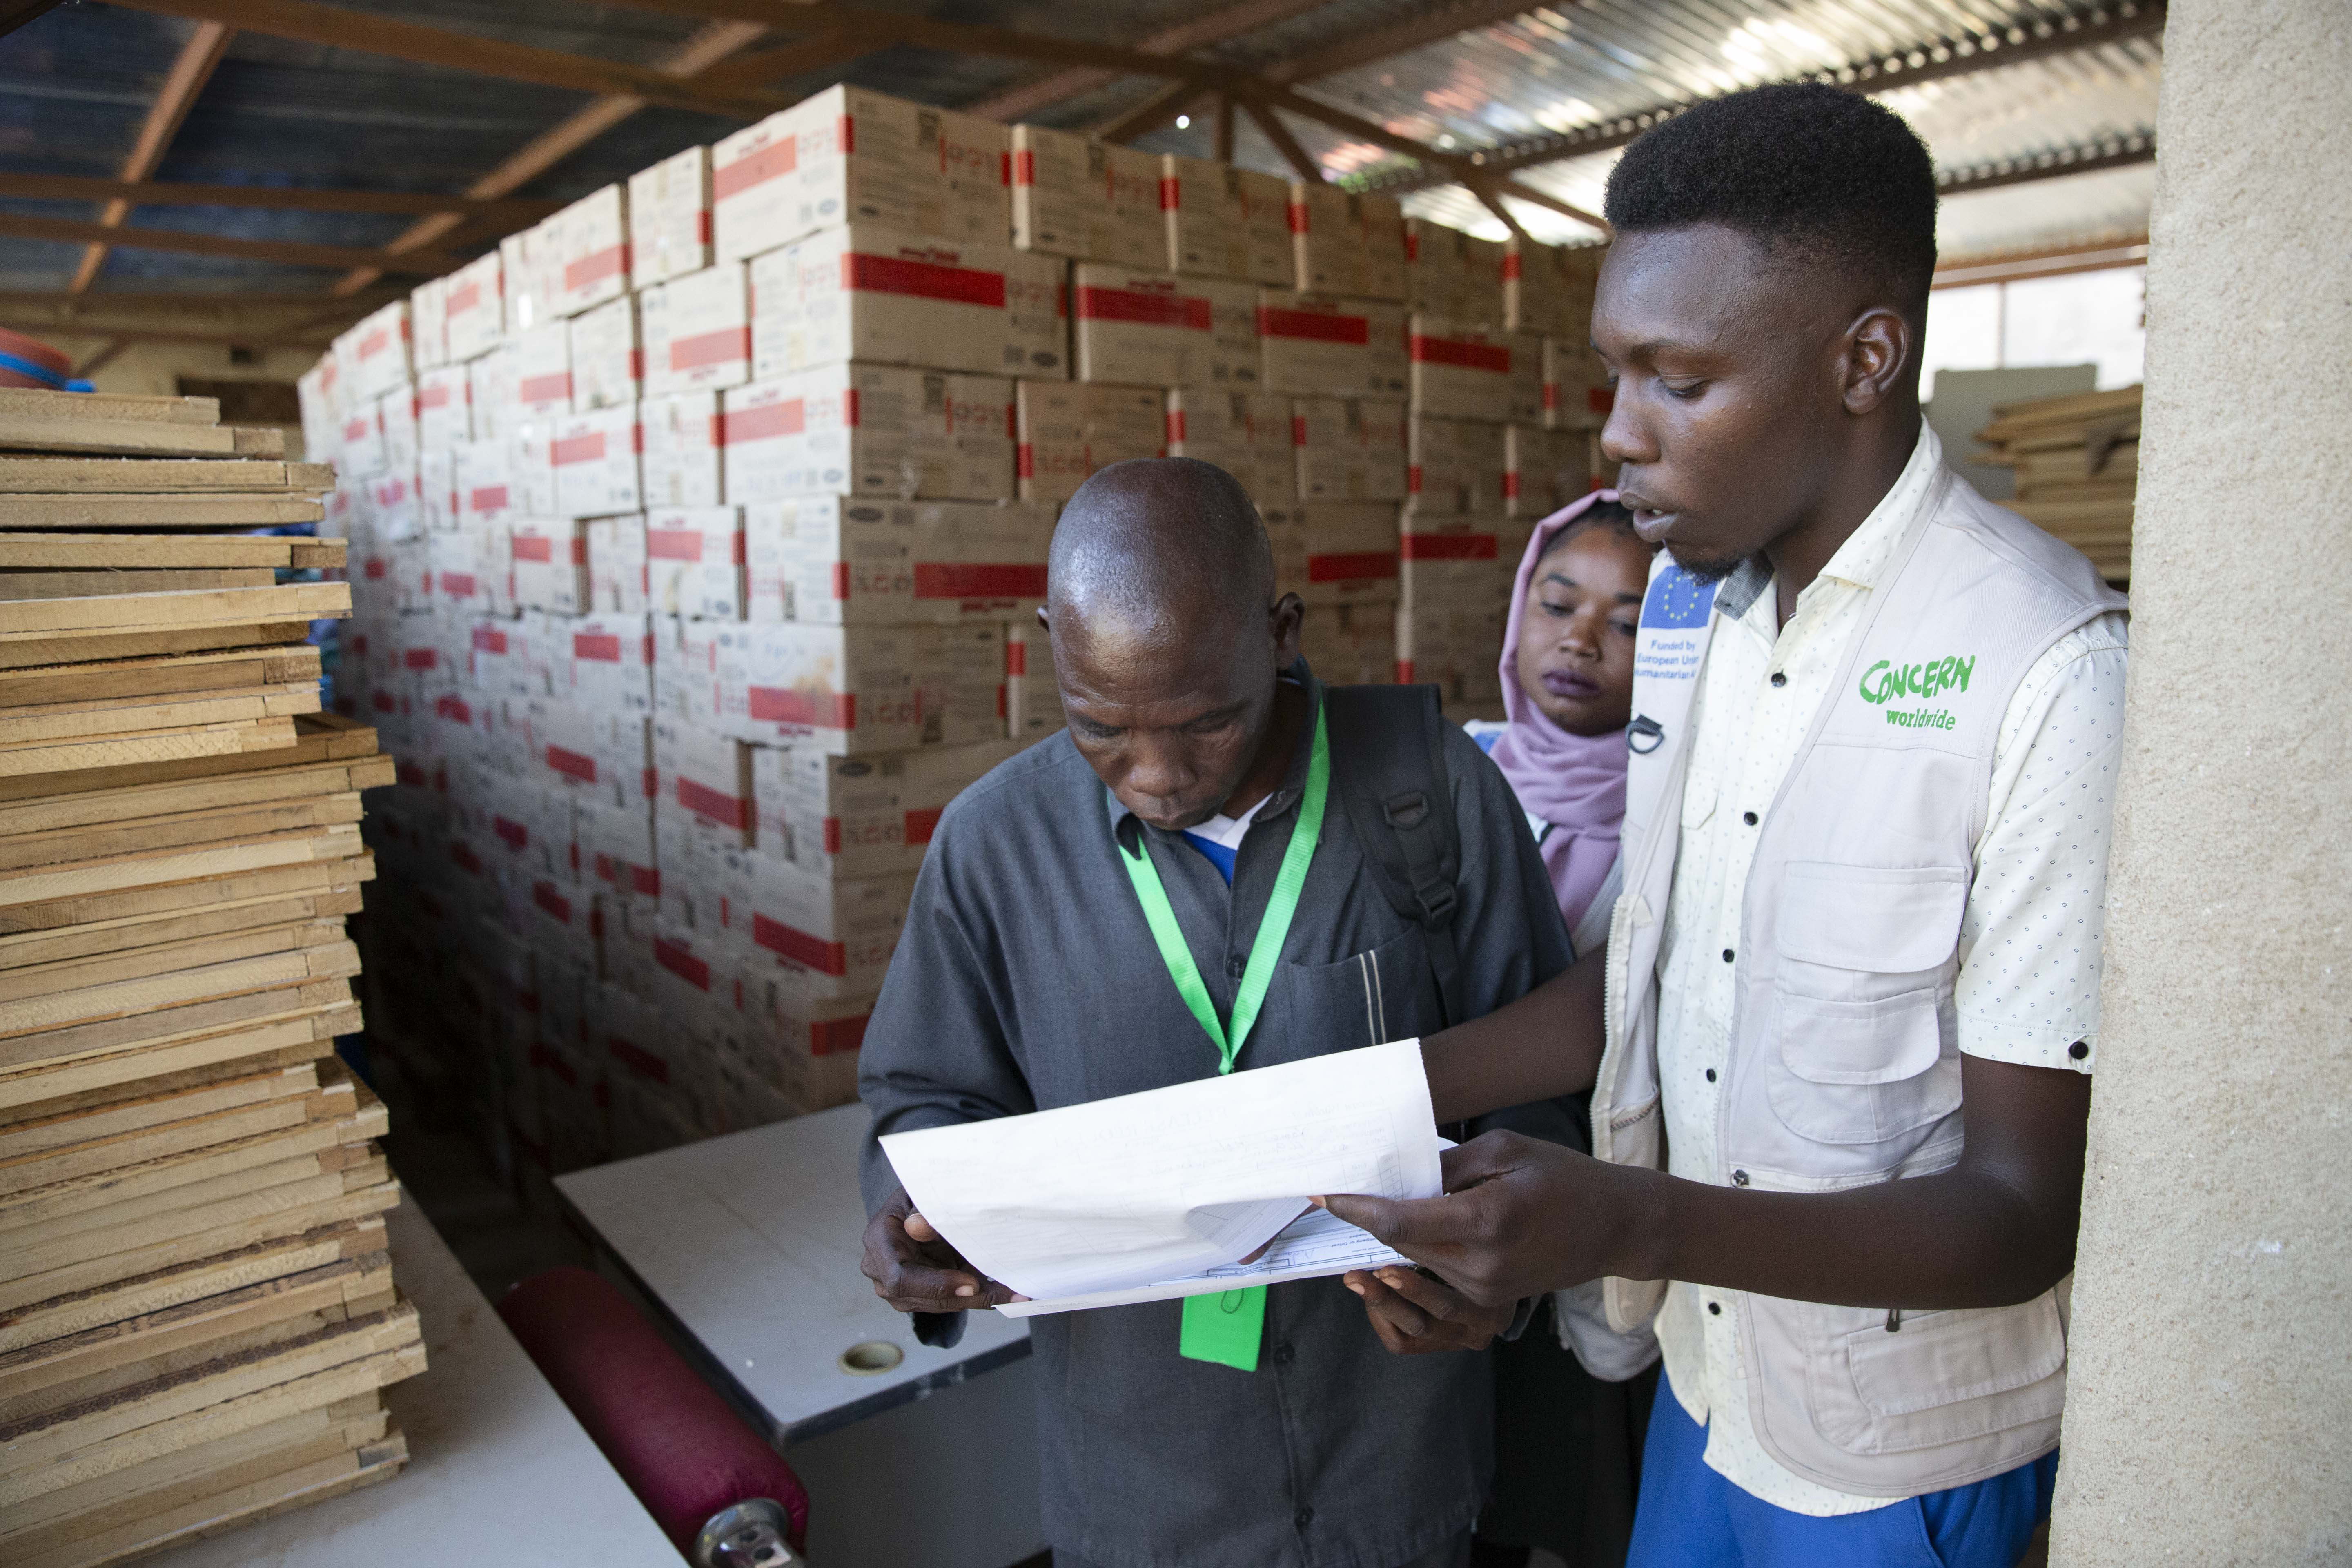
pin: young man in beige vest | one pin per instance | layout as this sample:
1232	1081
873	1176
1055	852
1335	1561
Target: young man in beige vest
1840	1045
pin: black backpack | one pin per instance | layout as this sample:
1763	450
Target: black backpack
1400	800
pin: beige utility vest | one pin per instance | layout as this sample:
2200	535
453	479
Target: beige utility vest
1844	1068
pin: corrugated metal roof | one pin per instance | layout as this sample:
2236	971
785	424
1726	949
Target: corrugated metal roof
76	84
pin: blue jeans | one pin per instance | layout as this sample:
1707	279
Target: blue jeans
1687	1516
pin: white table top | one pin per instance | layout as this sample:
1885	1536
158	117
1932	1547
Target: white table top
497	1470
750	1243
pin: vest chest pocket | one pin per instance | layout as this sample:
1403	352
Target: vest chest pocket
1859	1051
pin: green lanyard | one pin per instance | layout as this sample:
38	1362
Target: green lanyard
1272	928
1226	1327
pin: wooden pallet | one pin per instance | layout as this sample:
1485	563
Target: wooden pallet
171	1414
318	737
167	674
243	510
277	1253
215	1512
137	476
95	552
143	1492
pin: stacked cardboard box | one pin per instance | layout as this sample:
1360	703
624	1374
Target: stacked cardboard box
2076	460
196	1311
704	610
701	532
1504	400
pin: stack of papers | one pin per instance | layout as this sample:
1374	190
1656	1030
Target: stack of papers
1163	1194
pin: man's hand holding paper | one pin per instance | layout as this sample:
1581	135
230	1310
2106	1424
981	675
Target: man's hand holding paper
1146	1192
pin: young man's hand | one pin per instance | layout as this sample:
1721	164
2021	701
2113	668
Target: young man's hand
1415	1315
1501	1232
916	1271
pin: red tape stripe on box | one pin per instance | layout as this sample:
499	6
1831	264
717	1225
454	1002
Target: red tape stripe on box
767	164
1312	326
818	710
811	951
588	448
714	805
571	763
1455	352
837	1036
596	268
977	579
1133	305
694	971
1348	568
923	279
721	347
1448	547
786	418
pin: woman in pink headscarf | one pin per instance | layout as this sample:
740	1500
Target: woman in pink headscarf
1570	1396
1568	687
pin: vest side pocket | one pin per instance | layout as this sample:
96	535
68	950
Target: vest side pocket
1943	1377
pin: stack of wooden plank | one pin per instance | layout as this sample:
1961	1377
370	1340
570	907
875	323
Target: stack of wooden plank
2077	464
196	1311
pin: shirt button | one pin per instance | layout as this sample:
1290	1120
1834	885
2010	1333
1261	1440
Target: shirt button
1283	1355
1714	1308
1738	1178
2079	1049
1236	965
1710	1075
1303	1518
1748	817
1727	955
1778	679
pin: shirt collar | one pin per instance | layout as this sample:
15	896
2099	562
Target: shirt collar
1863	559
1286	794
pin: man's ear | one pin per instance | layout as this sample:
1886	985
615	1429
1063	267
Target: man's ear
1880	348
1282	623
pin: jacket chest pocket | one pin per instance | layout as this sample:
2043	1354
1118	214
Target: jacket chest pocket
1860	1045
1386	992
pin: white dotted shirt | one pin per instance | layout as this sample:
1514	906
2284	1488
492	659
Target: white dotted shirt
2028	988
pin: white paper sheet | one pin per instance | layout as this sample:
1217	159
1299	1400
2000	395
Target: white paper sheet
1149	1189
1311	1247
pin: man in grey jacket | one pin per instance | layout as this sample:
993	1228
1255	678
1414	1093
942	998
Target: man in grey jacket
1027	978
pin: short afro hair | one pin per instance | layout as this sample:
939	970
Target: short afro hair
1802	168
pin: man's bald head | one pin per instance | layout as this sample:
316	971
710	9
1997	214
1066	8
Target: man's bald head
1160	546
1167	635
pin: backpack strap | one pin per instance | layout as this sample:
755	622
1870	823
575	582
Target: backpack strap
1389	746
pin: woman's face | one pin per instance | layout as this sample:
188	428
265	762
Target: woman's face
1576	630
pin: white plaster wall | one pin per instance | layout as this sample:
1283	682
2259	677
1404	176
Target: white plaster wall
2209	1420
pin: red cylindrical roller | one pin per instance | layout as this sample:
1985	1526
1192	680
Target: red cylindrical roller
680	1447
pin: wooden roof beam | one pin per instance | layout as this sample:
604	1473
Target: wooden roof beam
290	253
2120	153
263	337
1439	26
706	49
154	193
1482	183
1216	28
370	32
190	70
1284	141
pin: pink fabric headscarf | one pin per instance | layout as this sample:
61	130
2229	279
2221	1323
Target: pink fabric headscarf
1576	783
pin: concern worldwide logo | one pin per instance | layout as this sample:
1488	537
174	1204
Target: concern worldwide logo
1885	681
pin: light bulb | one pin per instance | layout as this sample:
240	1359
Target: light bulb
1183	122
